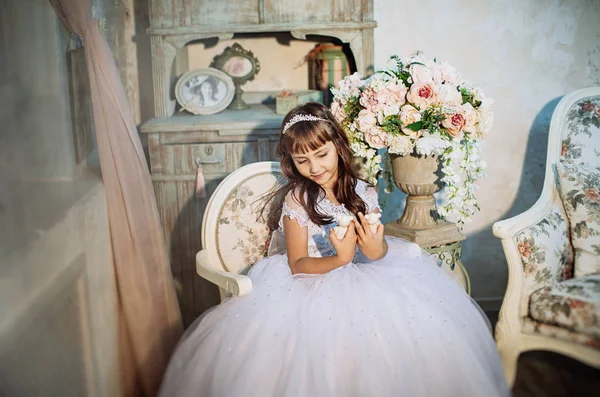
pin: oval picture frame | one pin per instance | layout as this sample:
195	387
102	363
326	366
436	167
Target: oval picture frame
238	63
204	91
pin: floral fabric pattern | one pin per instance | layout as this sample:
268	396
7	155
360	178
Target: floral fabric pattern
573	304
241	232
560	306
531	326
581	132
546	254
579	187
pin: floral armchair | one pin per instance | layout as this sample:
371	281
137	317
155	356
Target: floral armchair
234	228
552	300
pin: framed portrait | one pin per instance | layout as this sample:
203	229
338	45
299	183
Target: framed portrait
204	91
239	64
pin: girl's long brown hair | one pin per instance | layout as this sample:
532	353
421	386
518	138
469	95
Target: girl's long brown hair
307	136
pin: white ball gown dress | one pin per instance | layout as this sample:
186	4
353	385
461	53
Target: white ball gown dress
399	326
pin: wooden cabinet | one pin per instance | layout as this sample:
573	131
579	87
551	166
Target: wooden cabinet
223	142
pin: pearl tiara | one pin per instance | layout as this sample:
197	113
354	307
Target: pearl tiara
298	118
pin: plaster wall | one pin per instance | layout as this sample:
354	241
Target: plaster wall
525	55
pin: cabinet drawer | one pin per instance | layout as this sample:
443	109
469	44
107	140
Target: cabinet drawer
214	158
184	159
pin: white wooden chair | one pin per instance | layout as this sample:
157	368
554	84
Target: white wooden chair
234	234
545	307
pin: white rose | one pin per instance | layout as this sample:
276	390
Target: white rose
391	109
420	74
400	144
448	73
486	120
434	69
448	94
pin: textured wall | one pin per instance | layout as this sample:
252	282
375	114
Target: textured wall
289	56
525	55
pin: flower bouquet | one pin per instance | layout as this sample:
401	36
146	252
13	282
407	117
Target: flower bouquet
418	106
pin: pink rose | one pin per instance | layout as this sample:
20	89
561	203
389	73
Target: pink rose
592	194
366	120
454	123
471	118
338	111
422	95
368	99
392	94
409	115
588	107
376	138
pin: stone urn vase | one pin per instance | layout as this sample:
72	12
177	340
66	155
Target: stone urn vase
419	176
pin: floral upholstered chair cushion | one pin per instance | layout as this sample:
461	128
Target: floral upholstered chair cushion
571	304
579	187
546	254
242	232
581	133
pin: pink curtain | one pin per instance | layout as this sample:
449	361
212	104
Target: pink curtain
150	321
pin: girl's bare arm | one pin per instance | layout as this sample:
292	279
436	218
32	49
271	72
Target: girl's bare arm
296	239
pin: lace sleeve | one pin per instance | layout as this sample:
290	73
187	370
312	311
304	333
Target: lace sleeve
294	210
369	195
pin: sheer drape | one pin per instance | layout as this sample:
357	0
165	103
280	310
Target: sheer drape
150	319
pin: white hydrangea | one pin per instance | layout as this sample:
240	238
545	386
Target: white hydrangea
430	145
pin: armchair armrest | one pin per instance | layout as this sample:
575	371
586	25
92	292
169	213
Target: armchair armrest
509	228
537	249
235	284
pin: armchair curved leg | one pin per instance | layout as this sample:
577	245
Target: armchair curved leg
509	353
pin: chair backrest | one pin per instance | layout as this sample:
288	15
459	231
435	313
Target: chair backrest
574	129
233	231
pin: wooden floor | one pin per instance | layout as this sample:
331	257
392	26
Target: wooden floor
548	374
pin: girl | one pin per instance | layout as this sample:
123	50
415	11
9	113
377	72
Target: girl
362	315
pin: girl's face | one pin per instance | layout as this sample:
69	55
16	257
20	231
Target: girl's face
320	166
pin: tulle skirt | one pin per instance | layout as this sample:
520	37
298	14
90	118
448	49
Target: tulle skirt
399	326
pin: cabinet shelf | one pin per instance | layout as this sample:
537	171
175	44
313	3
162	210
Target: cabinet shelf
227	122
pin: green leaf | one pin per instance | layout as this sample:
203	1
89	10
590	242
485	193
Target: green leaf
416	126
596	122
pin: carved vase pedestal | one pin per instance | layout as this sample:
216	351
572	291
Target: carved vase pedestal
419	177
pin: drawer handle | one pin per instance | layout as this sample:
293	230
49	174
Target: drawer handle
199	161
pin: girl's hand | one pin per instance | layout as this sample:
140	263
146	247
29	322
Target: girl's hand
346	247
373	245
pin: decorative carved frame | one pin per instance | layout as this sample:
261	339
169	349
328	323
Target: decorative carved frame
204	110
